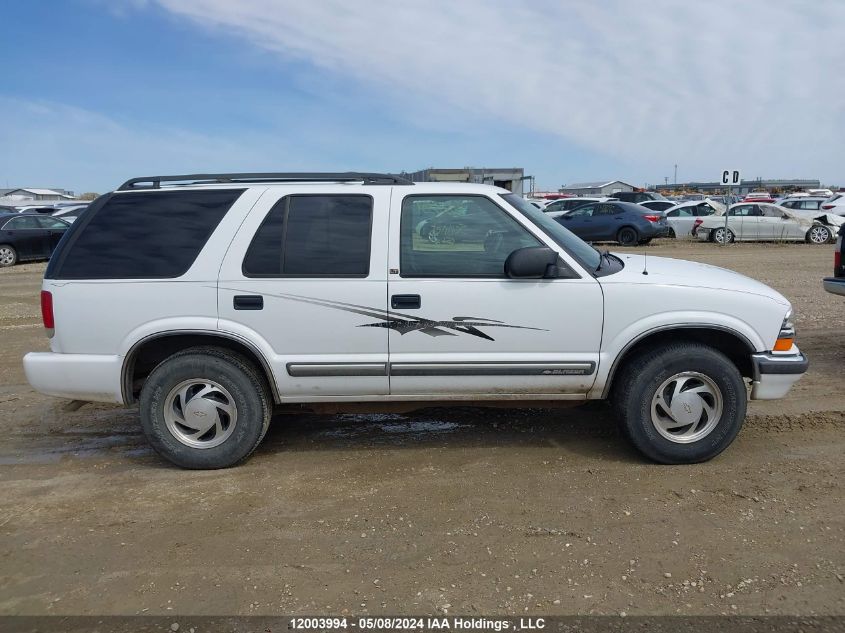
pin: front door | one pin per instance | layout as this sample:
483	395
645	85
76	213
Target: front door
580	221
311	289
459	326
27	236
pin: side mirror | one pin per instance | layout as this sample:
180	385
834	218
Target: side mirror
532	262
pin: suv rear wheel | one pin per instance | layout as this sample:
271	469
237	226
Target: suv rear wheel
681	403
205	407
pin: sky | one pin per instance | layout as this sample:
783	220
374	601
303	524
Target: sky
94	92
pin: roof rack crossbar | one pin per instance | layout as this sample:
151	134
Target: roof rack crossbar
154	182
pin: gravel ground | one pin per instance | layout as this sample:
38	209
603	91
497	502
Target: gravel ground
461	510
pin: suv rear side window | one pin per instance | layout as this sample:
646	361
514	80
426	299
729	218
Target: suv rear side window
313	236
144	235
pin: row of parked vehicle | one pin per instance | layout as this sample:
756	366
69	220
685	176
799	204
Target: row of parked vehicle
32	231
647	215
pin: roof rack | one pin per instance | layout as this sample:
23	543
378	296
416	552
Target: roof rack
154	182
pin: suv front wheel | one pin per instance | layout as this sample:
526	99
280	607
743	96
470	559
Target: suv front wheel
205	407
681	403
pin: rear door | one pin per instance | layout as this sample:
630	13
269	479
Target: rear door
459	327
306	277
54	230
742	222
607	219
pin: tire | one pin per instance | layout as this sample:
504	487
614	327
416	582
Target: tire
672	234
196	386
715	390
718	235
8	255
627	236
818	234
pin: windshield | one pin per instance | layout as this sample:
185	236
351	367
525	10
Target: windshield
586	255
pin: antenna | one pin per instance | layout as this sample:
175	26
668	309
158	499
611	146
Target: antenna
645	264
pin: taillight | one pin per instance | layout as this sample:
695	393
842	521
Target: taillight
698	221
652	218
47	311
827	207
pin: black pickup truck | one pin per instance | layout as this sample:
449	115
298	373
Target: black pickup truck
836	284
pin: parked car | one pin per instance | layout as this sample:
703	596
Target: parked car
836	284
658	205
567	204
623	222
758	196
835	204
71	213
768	222
229	294
638	196
28	236
35	208
806	202
681	218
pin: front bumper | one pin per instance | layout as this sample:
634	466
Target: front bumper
774	374
835	285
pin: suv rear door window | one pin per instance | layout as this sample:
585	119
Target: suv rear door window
313	236
144	235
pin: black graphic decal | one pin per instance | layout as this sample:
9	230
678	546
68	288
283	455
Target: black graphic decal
404	323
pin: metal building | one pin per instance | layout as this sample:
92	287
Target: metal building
600	188
512	178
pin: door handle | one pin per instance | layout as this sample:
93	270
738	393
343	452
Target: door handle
248	302
405	302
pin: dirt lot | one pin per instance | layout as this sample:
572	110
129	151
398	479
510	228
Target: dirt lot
458	510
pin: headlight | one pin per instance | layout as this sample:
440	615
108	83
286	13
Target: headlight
786	336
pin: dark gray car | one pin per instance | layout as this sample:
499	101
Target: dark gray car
623	222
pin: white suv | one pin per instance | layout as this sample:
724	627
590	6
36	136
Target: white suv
213	298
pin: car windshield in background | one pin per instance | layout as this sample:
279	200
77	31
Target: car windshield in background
586	255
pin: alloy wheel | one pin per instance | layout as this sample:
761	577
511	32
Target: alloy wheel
200	413
686	407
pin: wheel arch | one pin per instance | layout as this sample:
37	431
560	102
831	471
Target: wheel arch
735	345
149	351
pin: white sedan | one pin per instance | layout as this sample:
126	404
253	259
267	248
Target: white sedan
760	221
681	218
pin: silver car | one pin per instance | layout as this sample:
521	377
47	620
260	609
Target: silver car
681	218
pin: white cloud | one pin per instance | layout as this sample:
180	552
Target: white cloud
754	83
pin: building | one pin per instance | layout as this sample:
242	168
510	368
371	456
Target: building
37	194
746	186
511	178
600	188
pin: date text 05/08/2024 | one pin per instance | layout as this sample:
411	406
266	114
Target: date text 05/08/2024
455	623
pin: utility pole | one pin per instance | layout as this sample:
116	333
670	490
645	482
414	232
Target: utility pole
676	175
